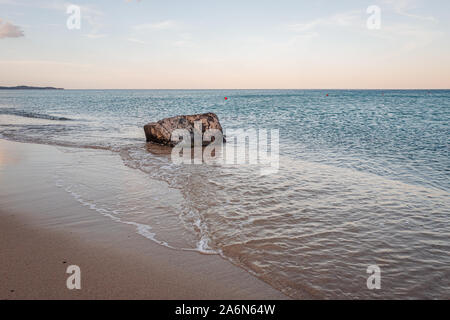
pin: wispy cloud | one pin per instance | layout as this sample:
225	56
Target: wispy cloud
185	40
308	30
161	25
9	30
136	40
406	37
10	2
45	62
89	13
95	35
411	34
404	8
344	19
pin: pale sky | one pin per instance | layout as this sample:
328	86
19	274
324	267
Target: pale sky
197	44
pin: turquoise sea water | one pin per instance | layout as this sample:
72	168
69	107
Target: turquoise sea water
401	134
364	179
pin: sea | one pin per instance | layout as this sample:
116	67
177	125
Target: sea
362	181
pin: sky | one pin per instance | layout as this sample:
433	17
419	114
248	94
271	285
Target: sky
195	44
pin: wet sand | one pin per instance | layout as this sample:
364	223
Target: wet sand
43	230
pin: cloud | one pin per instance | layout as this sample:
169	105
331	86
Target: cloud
411	35
136	40
8	30
44	62
9	2
95	35
305	32
406	37
345	19
185	40
403	7
89	13
161	25
401	37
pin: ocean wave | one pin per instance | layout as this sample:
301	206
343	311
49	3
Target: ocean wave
27	114
141	229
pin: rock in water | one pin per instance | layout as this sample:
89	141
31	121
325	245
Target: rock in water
161	131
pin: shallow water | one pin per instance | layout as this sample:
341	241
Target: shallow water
363	179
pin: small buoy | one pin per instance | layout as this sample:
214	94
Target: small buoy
226	98
327	94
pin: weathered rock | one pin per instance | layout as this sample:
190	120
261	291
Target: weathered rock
161	131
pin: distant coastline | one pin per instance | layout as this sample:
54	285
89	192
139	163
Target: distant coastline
29	88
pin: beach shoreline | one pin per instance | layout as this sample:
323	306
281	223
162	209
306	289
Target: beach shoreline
43	230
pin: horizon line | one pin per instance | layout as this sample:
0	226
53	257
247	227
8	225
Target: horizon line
330	89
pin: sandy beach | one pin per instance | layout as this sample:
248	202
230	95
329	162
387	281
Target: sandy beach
43	230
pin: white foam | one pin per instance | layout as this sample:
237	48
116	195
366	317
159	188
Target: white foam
142	229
